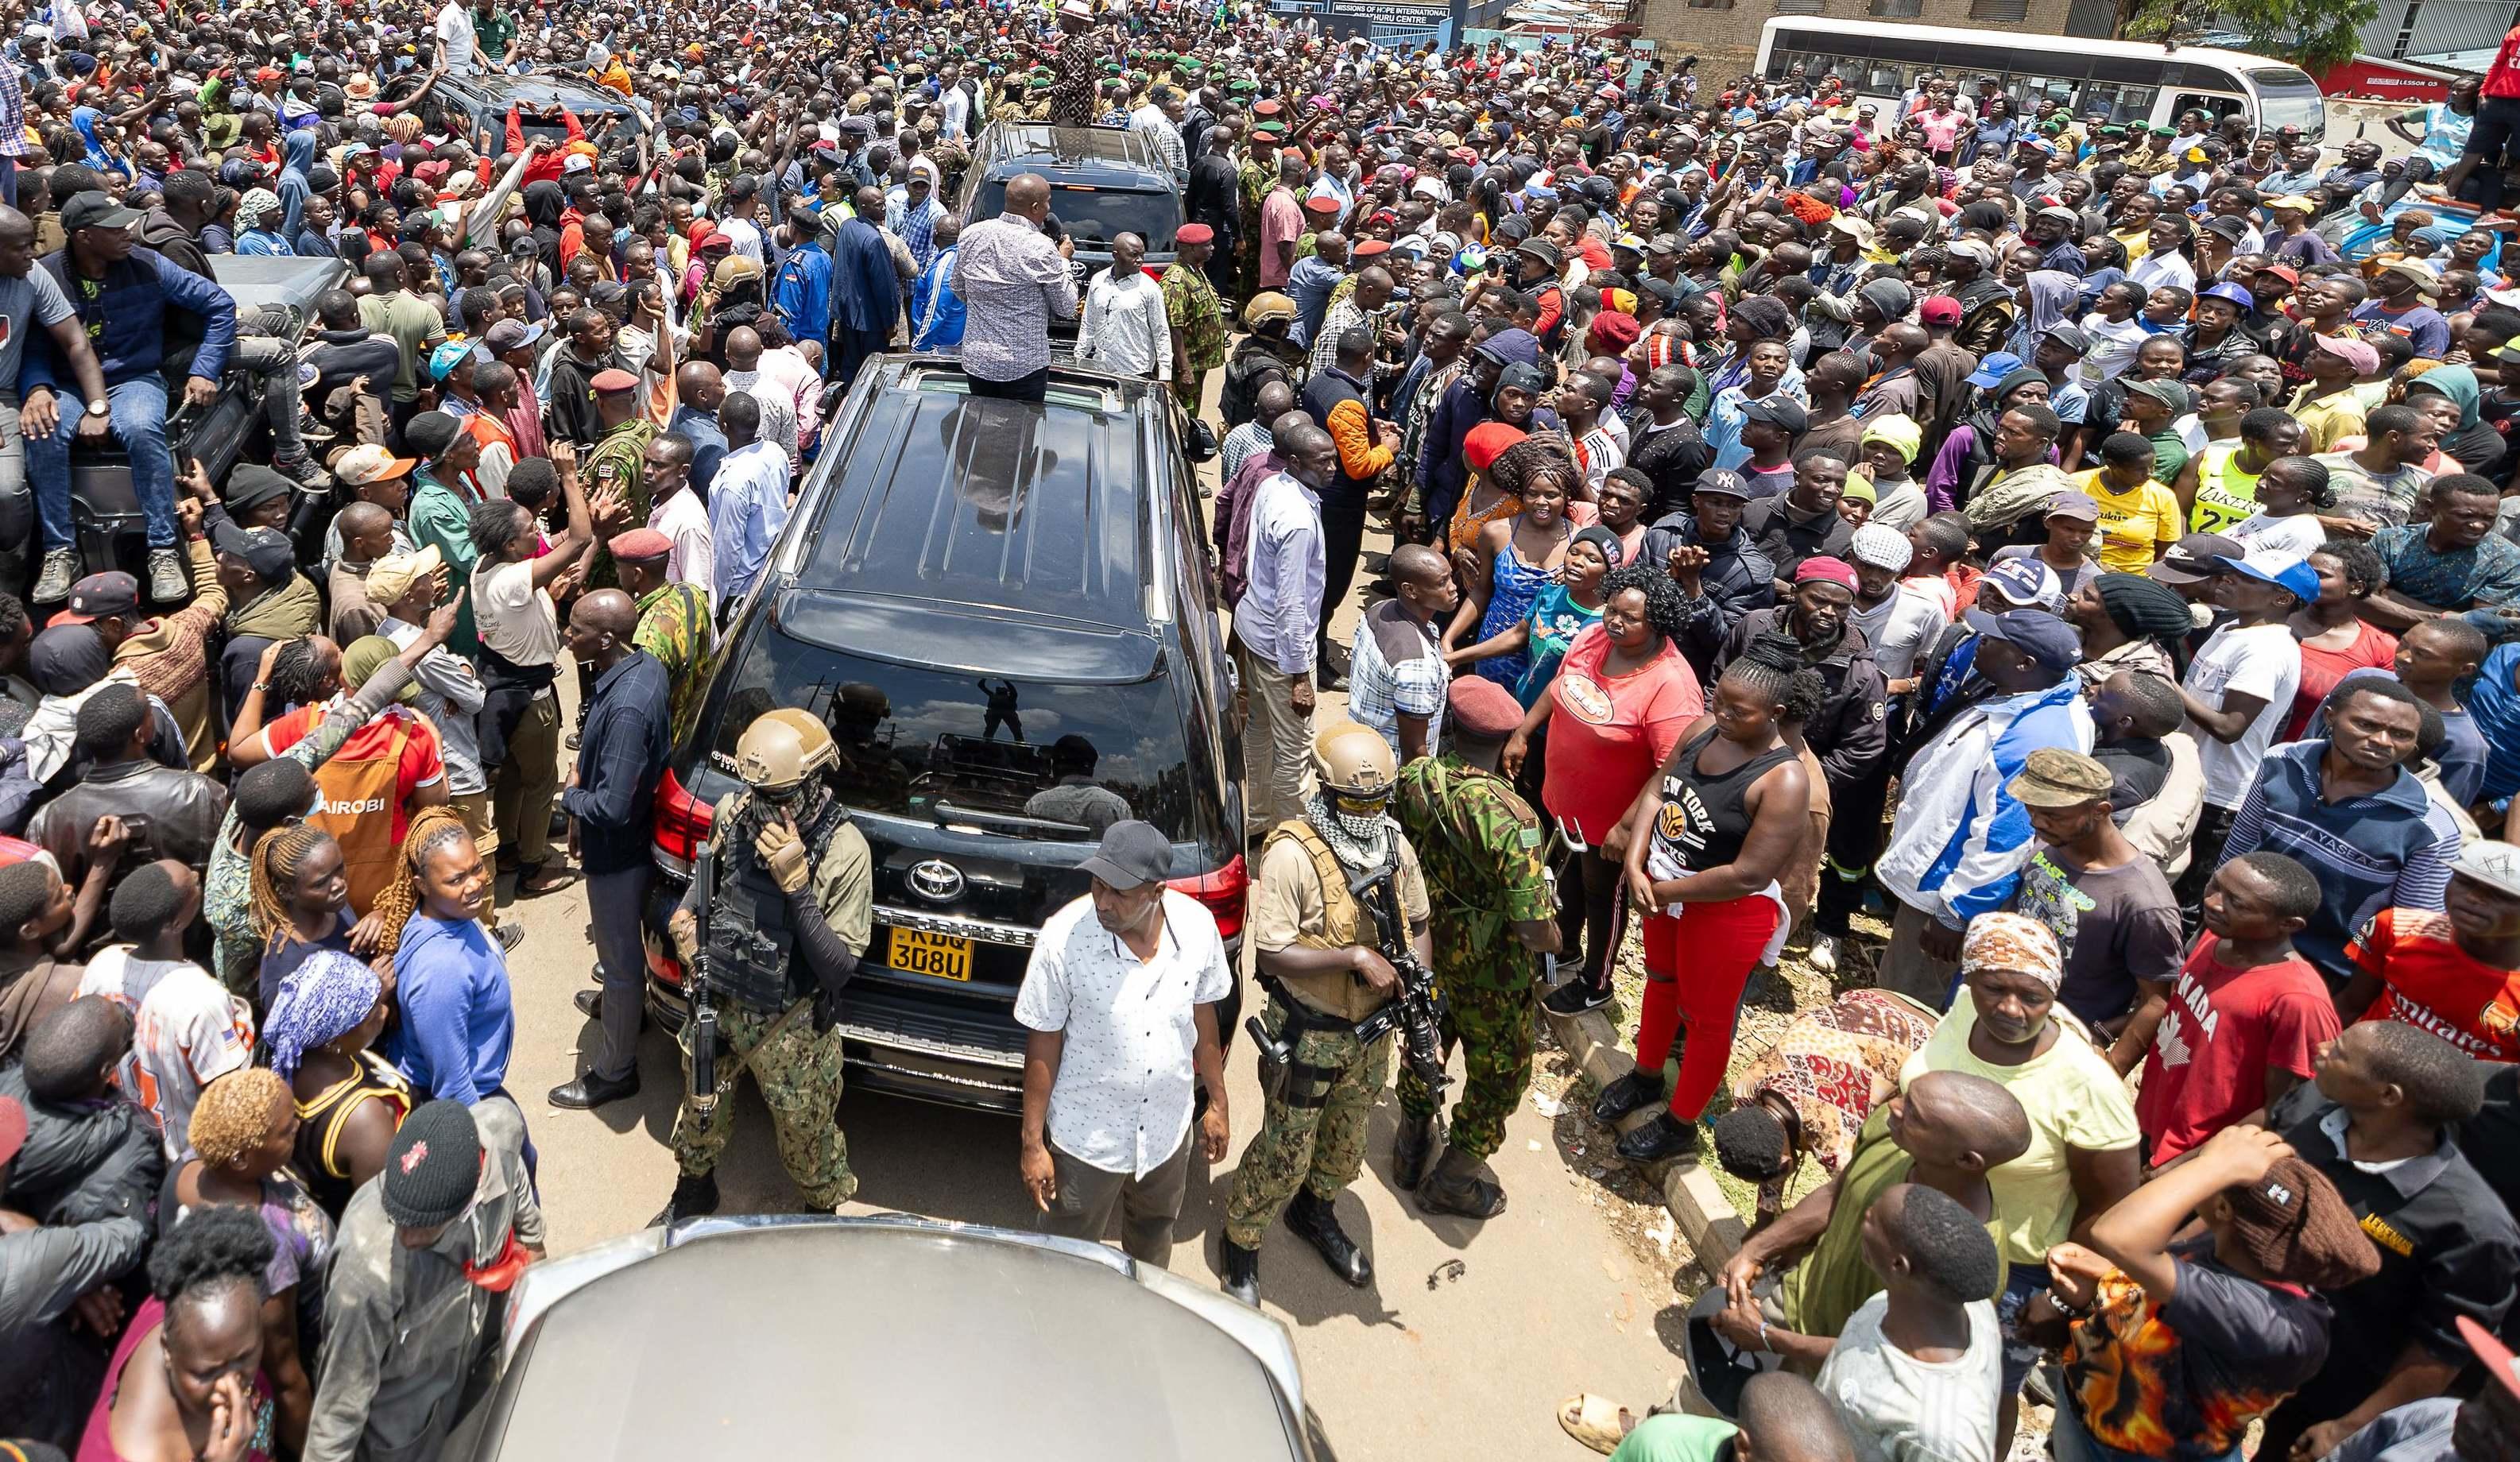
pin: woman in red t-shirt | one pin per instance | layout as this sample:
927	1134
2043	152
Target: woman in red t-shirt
1614	711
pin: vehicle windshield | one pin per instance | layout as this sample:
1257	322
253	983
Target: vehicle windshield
2288	98
1062	760
1094	216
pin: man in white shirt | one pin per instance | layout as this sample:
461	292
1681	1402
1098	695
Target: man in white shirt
1928	1394
2238	691
953	107
1277	622
187	1029
1160	120
458	51
675	509
1125	327
1120	1000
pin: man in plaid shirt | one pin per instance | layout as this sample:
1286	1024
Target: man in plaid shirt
1397	678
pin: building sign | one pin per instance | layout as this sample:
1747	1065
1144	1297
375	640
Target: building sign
1376	19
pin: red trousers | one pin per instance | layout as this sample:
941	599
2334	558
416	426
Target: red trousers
1724	942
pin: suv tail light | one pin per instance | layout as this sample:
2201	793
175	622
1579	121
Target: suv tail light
683	820
1223	891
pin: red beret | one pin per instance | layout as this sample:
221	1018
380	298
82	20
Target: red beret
1327	206
615	379
640	545
1370	249
1835	570
1194	233
1482	708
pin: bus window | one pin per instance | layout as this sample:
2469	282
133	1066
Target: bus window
2213	106
2120	101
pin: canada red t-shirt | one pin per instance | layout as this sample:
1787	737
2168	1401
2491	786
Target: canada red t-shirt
1608	734
2427	981
2206	1068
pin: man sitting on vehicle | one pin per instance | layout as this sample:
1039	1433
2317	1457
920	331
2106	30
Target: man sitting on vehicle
121	299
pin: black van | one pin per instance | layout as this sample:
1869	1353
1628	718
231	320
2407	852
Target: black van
1001	609
1104	182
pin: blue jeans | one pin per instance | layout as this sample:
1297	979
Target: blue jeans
139	419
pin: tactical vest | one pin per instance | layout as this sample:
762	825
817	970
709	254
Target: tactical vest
1344	926
751	940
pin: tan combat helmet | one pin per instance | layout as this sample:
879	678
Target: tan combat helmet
1354	763
781	748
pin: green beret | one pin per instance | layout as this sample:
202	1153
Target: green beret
1243	88
1273	129
1043	83
1110	68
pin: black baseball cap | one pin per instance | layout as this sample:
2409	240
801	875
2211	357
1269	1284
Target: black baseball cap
96	210
1133	854
112	595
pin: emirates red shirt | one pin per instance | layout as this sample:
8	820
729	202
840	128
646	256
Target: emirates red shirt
2427	981
2206	1068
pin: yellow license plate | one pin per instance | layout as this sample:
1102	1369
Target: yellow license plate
921	953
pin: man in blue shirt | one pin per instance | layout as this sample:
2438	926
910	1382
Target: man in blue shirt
935	310
800	291
121	297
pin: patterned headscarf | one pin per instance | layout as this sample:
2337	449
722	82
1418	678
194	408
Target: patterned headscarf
257	204
2012	942
319	1002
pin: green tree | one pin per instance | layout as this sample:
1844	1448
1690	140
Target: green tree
2312	34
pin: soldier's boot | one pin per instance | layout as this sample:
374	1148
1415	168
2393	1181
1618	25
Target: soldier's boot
1238	1270
1413	1145
1316	1223
1462	1185
693	1198
1638	1089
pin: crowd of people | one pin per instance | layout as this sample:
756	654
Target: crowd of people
2077	545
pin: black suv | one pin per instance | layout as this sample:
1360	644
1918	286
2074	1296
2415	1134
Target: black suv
1104	182
1002	612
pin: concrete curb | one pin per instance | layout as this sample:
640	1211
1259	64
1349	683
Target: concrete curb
1704	1214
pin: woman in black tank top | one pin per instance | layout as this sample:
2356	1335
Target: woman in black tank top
1704	845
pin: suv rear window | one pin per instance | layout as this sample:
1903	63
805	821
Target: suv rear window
925	742
1094	216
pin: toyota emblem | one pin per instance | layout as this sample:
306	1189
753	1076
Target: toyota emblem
936	880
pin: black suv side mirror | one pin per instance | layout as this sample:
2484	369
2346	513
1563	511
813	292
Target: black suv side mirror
1201	443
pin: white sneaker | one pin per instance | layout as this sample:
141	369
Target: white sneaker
61	566
166	582
1824	954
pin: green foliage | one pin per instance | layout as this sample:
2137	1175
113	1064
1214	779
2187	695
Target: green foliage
2310	33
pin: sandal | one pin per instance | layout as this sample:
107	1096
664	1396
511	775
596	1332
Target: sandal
1597	1421
550	878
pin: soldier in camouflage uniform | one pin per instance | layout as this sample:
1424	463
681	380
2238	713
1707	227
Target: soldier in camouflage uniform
1318	960
789	899
1481	846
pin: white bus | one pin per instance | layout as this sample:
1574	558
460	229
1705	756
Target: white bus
2126	81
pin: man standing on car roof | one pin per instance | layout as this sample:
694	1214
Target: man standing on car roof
790	907
1318	961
